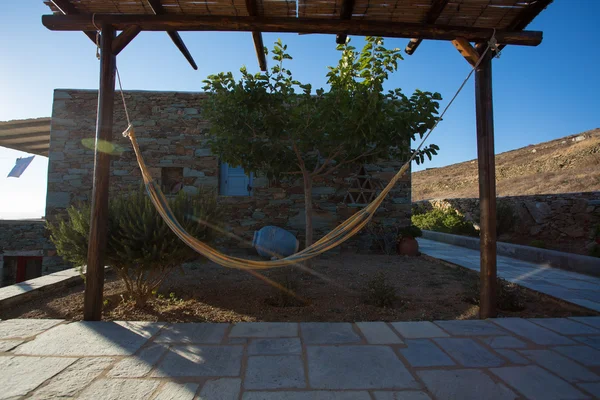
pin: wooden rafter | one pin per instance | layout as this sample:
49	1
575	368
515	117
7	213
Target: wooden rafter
437	7
300	25
67	8
252	8
346	13
528	14
466	50
158	9
125	38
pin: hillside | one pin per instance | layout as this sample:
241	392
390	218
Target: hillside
569	164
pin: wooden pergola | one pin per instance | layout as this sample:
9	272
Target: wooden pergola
468	24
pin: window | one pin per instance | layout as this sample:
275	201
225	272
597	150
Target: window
171	179
233	181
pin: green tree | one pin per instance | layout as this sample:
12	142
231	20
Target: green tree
141	248
272	124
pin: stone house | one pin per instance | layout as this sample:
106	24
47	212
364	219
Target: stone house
173	138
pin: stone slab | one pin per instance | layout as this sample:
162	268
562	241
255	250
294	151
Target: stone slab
425	353
204	333
306	395
536	383
593	341
328	333
468	352
275	346
565	326
593	388
464	384
470	328
274	372
139	365
177	391
25	328
264	329
73	379
532	332
503	342
357	367
221	389
91	339
418	330
582	354
20	375
8	345
561	366
378	333
193	360
513	356
591	321
404	395
120	389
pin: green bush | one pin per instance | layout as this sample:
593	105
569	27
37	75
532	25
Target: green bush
538	243
505	218
444	220
410	231
140	248
379	293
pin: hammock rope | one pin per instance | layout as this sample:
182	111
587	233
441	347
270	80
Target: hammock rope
337	236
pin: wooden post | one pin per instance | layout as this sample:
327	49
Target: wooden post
94	283
487	186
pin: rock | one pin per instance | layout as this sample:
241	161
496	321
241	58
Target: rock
535	230
203	153
258	215
320	220
573	231
322	191
539	211
190	111
192	173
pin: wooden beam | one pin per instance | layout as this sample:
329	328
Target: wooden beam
185	22
67	8
158	9
436	9
252	8
345	13
260	50
487	186
94	282
466	50
528	14
125	38
178	41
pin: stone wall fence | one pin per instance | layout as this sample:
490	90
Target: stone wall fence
567	219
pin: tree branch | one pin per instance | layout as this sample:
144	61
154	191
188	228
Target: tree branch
345	162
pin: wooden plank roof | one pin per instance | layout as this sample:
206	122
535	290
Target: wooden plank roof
28	135
496	14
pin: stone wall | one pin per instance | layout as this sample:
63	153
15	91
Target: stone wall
564	221
172	133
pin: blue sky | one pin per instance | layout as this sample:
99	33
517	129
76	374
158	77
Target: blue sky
540	93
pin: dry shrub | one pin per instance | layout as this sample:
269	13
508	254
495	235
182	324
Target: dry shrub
509	296
379	293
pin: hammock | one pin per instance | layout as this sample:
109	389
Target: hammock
337	236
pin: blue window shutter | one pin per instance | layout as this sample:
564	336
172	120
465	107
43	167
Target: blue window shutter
234	181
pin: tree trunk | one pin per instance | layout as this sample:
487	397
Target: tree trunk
308	208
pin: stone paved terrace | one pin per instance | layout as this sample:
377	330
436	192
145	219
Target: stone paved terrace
555	358
583	290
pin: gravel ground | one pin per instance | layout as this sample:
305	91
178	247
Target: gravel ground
426	289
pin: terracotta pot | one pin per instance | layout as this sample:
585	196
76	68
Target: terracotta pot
407	246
